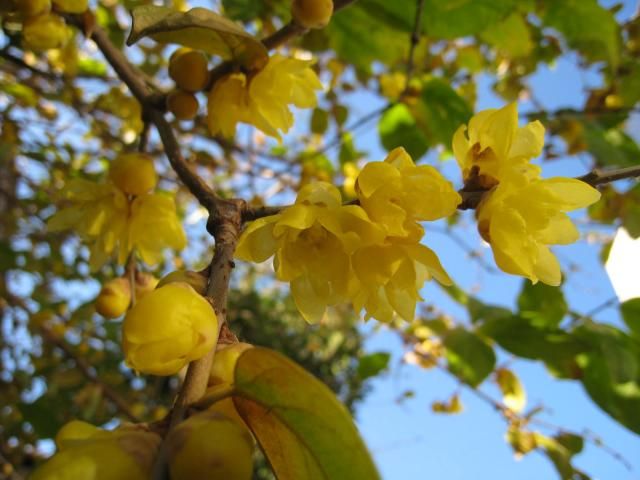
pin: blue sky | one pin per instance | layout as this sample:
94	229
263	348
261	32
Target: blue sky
408	440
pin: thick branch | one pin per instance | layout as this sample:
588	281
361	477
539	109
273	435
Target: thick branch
599	177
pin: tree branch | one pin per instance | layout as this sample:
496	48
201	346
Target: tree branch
414	40
471	199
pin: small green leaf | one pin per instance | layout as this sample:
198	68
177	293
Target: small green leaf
303	430
398	128
319	121
470	358
447	19
587	26
630	311
373	364
512	36
542	304
200	29
440	111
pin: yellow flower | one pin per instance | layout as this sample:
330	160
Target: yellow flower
390	276
396	193
87	452
263	99
494	144
521	216
167	329
110	222
392	84
45	32
312	242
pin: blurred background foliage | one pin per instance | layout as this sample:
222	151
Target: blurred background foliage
65	114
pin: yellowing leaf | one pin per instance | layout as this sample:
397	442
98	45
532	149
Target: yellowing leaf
303	430
513	393
199	29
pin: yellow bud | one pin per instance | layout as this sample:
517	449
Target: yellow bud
45	31
145	283
33	8
227	407
71	6
168	328
224	363
73	431
196	280
183	105
133	173
114	298
189	69
312	13
87	452
210	445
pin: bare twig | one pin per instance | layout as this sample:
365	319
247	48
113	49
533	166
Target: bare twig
598	177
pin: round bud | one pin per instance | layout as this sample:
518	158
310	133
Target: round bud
196	280
168	328
71	6
133	173
114	298
189	69
312	13
33	8
45	32
183	105
224	363
210	445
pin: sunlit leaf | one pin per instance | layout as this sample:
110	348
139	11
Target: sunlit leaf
469	357
200	29
513	394
301	427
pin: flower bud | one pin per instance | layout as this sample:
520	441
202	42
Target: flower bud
87	452
71	6
168	328
45	32
312	13
189	69
195	279
224	363
210	445
114	298
183	105
133	173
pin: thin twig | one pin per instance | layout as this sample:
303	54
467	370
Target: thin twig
414	39
86	369
598	177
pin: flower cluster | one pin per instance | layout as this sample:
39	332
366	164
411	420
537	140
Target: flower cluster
368	254
122	214
262	99
42	29
522	213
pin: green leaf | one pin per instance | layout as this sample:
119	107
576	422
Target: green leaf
555	347
511	36
351	25
319	121
200	29
542	304
481	312
440	111
303	430
587	27
612	372
460	18
560	456
470	358
630	311
611	146
372	364
398	128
